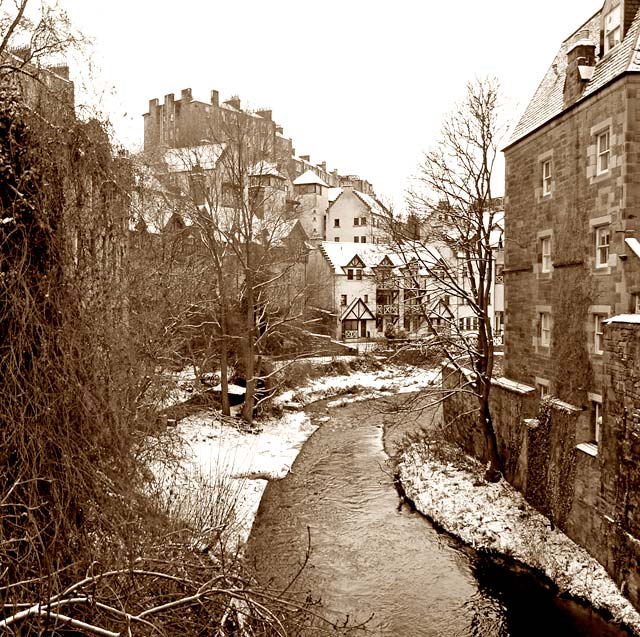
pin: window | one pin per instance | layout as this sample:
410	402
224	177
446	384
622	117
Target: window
356	221
366	298
363	221
603	150
546	177
336	239
612	30
596	421
636	303
359	274
598	341
603	237
350	274
543	390
545	248
363	239
545	329
356	239
336	223
343	299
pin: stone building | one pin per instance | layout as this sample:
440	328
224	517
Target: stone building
572	192
572	288
189	126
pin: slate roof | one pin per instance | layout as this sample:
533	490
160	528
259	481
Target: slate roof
547	101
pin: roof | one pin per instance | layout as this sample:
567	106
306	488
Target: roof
264	168
185	159
340	253
371	202
309	177
548	100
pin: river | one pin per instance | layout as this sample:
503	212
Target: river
372	557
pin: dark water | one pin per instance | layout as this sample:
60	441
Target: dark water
371	557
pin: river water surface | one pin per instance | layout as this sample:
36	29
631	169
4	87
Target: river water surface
371	557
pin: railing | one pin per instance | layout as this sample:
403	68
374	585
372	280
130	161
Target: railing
387	309
350	334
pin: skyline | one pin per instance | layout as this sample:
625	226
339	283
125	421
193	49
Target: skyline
362	86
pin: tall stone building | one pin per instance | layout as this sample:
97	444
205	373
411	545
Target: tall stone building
572	261
572	195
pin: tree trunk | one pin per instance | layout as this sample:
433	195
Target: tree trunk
249	397
494	466
224	377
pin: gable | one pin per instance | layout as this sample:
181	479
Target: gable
356	262
357	311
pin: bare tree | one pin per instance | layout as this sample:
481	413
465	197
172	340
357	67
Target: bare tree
235	194
452	237
34	35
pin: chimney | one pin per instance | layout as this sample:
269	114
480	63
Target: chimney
186	95
581	61
153	105
323	166
234	102
306	158
265	114
215	97
169	98
280	130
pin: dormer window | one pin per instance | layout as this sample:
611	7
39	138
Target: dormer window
612	29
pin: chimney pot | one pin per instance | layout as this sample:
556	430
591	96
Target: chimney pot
215	97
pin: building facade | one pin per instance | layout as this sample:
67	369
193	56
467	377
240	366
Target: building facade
572	194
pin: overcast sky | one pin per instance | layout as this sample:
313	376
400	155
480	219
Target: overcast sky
360	84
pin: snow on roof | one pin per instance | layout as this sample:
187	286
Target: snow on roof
634	244
373	204
263	168
205	156
334	193
309	177
340	253
624	318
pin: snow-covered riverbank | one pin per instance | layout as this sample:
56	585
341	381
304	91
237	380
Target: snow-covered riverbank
227	465
495	517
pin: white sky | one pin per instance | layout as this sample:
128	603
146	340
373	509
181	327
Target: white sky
362	85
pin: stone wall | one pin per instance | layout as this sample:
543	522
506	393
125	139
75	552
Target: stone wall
590	492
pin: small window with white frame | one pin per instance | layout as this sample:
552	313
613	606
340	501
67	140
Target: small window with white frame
603	150
603	241
612	29
598	333
545	249
544	332
546	177
542	385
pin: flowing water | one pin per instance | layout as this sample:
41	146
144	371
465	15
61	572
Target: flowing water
370	556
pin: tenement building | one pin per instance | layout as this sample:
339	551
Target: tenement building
572	195
572	286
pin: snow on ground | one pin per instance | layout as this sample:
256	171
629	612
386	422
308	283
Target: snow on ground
225	467
394	379
496	517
